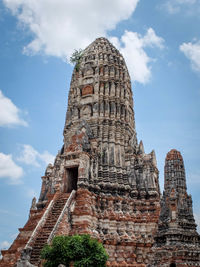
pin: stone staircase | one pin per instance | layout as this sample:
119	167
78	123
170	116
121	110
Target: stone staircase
47	228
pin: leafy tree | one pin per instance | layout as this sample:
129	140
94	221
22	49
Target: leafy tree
79	250
76	58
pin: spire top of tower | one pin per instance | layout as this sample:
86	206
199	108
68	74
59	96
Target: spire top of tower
173	154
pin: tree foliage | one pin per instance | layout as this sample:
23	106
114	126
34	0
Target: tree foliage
81	250
76	58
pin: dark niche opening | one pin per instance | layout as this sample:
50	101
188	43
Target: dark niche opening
71	180
172	265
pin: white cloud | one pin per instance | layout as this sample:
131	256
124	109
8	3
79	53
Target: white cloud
59	27
46	157
176	6
30	156
132	47
151	39
9	113
4	245
192	52
9	169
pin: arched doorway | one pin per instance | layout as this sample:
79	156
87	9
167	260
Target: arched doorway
172	264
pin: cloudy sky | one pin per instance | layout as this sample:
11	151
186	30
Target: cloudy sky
160	41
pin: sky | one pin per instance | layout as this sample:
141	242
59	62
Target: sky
160	41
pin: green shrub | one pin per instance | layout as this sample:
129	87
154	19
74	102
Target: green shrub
81	250
76	58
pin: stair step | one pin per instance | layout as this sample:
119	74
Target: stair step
48	227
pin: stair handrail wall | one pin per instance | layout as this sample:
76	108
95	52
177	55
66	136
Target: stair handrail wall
40	224
66	207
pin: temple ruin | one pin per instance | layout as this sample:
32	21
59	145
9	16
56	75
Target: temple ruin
102	182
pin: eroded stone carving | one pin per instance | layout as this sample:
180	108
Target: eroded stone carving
25	258
33	204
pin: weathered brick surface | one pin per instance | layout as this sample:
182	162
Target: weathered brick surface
126	234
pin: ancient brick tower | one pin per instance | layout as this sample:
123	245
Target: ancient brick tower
176	241
102	182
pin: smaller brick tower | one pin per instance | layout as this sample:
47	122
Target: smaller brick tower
177	242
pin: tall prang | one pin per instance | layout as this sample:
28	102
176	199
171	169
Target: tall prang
99	132
177	241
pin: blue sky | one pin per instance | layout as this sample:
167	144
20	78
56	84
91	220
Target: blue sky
160	41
